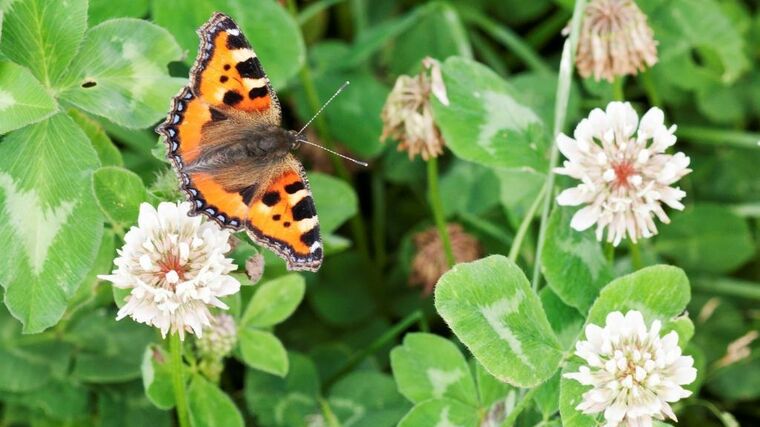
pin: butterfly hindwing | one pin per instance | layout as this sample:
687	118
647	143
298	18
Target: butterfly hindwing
228	74
283	218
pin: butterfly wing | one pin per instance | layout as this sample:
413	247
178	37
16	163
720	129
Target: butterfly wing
229	91
228	74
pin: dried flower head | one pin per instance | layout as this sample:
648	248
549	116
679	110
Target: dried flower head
429	262
738	349
615	40
408	115
254	267
624	177
175	267
634	373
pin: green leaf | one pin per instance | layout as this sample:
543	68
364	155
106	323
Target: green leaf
486	122
58	399
23	100
211	407
490	389
441	412
738	381
566	321
119	193
28	367
51	225
108	154
125	405
438	34
336	201
157	377
682	26
263	351
490	307
658	292
572	262
120	72
110	351
427	366
468	188
336	298
272	31
284	401
367	399
274	301
101	10
44	36
547	396
709	238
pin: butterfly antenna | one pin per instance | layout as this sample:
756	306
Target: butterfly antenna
365	164
340	89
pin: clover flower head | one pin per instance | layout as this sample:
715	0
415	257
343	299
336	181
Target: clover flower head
624	172
175	268
634	373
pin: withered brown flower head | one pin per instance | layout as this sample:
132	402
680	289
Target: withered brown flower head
615	40
429	262
408	115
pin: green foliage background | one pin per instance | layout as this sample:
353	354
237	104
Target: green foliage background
83	83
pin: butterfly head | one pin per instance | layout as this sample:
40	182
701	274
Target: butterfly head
294	140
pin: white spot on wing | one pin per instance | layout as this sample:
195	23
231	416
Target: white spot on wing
241	55
233	32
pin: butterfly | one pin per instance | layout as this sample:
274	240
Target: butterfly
232	156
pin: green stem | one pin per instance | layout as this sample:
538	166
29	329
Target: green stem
313	9
514	251
434	197
376	345
635	256
720	137
526	400
747	210
609	252
728	286
359	14
507	37
358	229
618	92
547	29
488	54
645	79
560	111
178	380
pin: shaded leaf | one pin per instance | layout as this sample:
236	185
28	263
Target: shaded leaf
335	200
119	193
51	224
263	351
211	407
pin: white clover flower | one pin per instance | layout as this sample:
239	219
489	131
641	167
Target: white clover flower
634	373
176	268
615	40
625	175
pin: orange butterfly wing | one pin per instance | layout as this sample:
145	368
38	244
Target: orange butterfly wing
227	78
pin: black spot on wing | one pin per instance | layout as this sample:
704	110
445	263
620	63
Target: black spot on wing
271	198
286	224
231	97
250	68
276	217
237	42
304	209
223	79
311	236
317	254
294	187
247	194
258	92
226	67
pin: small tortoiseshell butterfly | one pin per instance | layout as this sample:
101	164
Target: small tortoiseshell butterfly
233	158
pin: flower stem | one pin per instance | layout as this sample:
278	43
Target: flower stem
719	137
514	251
434	197
526	400
358	229
618	92
635	256
609	252
727	286
376	345
178	380
560	111
646	82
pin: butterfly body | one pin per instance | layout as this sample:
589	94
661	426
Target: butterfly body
233	158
